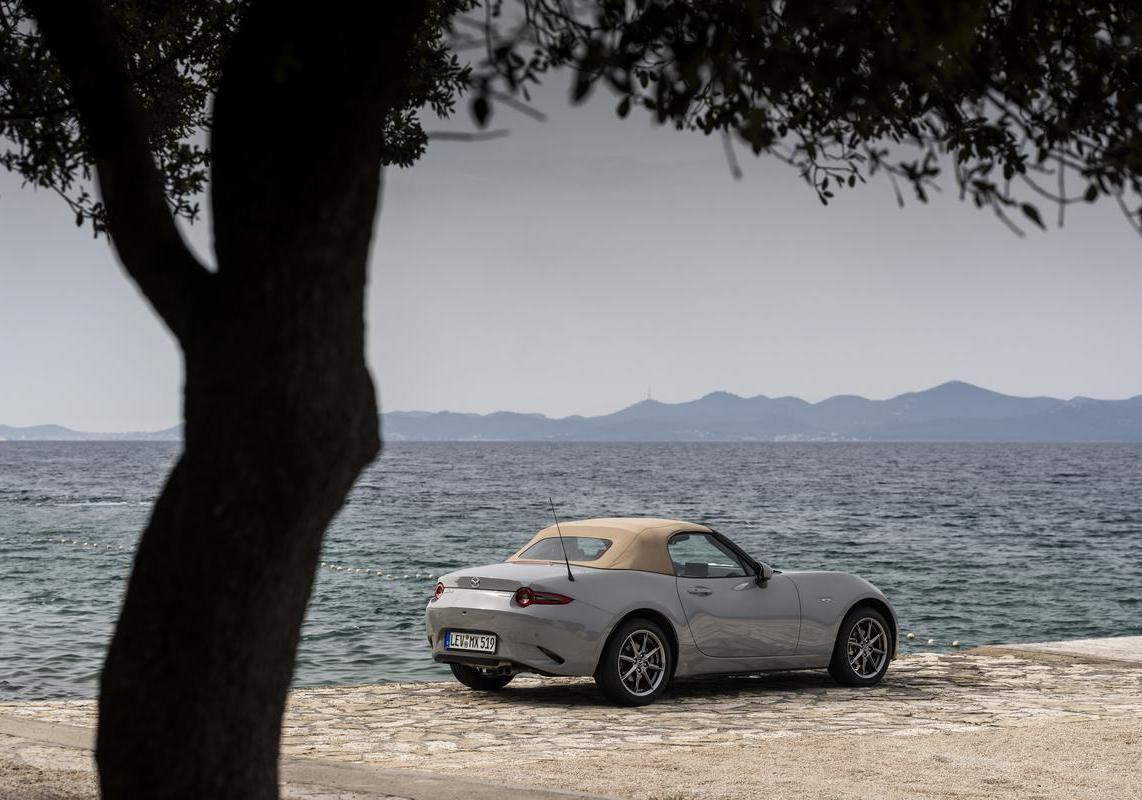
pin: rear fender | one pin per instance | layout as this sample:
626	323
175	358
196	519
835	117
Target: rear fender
651	595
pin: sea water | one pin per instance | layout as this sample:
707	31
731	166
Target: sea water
980	543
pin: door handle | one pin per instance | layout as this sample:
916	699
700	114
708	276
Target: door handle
701	591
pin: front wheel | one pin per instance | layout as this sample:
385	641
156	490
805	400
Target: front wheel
636	664
863	648
478	679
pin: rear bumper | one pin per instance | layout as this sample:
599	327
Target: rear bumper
550	640
501	666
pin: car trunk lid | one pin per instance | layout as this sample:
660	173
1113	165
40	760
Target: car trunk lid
507	576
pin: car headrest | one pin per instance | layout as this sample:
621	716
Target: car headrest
692	569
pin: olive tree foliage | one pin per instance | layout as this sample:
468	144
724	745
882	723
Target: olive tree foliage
1024	102
174	52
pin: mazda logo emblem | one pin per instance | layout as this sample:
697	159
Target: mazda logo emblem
475	583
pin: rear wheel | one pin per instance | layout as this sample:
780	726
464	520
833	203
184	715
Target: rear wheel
863	648
636	663
479	679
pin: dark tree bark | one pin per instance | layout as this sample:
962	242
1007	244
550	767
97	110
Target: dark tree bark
279	406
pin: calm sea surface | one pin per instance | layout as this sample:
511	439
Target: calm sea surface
981	543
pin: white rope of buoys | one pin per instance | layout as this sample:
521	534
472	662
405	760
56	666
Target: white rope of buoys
100	545
333	567
377	572
912	637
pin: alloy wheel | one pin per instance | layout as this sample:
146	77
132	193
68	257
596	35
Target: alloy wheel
867	648
642	662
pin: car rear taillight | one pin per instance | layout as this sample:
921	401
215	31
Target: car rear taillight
439	591
526	596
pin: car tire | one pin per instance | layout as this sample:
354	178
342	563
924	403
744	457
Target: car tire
638	644
474	678
863	648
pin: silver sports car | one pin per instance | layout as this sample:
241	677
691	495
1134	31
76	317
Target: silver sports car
635	602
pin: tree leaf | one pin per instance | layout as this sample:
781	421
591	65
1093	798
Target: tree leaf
481	111
1032	214
582	87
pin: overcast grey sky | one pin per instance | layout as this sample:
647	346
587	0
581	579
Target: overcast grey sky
566	268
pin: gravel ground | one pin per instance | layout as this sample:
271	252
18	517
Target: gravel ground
33	771
1066	760
1051	759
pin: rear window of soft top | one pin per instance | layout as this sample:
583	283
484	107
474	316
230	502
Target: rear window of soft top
579	548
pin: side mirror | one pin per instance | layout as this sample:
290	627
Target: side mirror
764	573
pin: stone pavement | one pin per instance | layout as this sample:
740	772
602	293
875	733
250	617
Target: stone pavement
444	726
1119	648
536	724
43	759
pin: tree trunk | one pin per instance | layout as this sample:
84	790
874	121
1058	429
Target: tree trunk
279	406
195	682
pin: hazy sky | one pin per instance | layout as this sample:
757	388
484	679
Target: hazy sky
566	268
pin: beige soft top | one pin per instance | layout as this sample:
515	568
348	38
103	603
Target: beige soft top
637	542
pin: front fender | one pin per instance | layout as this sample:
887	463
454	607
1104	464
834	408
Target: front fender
826	599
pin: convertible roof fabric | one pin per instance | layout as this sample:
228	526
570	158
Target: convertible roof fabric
638	543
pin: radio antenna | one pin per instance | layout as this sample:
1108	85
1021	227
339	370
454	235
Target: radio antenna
566	561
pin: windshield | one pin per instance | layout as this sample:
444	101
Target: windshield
579	548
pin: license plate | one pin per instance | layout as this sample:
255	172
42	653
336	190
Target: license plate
480	642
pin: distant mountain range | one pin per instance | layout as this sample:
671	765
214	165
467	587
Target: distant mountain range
951	412
58	433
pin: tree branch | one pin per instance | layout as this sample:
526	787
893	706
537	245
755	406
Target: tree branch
81	36
467	136
518	105
731	156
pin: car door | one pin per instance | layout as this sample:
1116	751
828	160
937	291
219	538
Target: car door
729	614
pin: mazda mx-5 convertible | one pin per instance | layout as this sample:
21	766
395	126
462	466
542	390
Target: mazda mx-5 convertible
636	602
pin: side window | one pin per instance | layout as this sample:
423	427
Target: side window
700	555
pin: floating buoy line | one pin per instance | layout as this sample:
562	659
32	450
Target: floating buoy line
911	637
376	573
97	545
